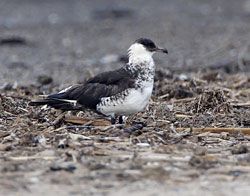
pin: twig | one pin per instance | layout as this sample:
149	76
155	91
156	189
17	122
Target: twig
58	120
4	134
247	104
198	107
164	96
26	158
103	128
76	120
217	129
85	121
184	100
182	116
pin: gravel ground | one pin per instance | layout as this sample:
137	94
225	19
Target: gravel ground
203	82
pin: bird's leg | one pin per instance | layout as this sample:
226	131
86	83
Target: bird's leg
113	119
120	120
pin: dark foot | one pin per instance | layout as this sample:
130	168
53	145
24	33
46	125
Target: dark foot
113	120
121	120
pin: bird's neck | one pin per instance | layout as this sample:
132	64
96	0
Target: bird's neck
138	57
142	66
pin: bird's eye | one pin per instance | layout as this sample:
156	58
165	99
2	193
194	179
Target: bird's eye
151	45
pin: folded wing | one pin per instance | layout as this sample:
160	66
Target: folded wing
89	94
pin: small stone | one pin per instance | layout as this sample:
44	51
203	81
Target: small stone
183	77
5	147
225	136
170	107
13	41
112	13
242	149
39	139
200	151
78	137
63	143
66	166
143	145
196	161
44	79
6	87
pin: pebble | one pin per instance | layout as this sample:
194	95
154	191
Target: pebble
75	137
13	41
44	79
200	151
242	149
112	13
5	147
66	166
39	139
143	145
183	77
63	143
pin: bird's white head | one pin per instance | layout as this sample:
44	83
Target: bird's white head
143	50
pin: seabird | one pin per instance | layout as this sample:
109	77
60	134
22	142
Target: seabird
115	93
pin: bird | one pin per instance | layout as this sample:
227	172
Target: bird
116	93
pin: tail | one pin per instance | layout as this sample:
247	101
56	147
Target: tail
61	104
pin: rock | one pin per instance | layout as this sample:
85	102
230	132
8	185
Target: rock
183	77
181	92
39	139
203	162
225	135
6	87
200	151
5	147
169	107
44	79
211	76
63	143
66	166
13	41
112	13
78	137
242	149
143	145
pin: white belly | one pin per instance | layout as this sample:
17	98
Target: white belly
135	101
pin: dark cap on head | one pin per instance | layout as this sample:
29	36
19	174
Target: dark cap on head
150	45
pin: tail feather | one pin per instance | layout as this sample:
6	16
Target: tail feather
62	104
40	102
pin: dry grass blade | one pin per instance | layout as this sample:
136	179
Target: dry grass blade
216	130
247	104
26	158
182	116
86	121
